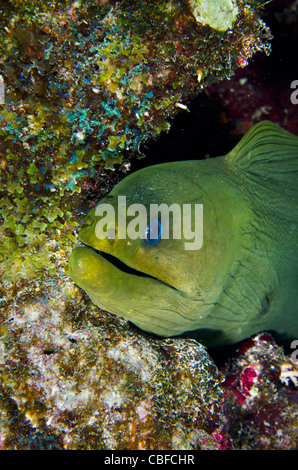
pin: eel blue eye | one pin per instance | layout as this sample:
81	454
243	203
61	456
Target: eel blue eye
153	232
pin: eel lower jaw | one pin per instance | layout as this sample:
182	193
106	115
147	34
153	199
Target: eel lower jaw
149	303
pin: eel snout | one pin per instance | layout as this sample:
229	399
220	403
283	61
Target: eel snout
149	303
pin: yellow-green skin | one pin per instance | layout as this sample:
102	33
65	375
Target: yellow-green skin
242	280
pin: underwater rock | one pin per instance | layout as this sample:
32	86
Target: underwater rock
260	397
108	75
262	90
103	385
68	382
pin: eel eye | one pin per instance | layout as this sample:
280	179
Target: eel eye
153	232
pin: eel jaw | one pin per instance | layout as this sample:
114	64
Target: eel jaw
147	302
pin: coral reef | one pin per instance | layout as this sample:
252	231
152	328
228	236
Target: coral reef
85	84
263	413
98	383
262	90
73	385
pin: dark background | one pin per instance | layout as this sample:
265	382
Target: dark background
221	114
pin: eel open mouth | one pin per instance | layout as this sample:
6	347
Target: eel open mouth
149	303
121	265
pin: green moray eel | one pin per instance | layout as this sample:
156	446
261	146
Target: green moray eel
244	277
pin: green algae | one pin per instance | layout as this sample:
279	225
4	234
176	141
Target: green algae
34	226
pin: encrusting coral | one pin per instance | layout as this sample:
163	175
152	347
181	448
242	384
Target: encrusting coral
103	386
262	410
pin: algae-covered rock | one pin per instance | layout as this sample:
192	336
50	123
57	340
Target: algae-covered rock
261	396
72	382
102	385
